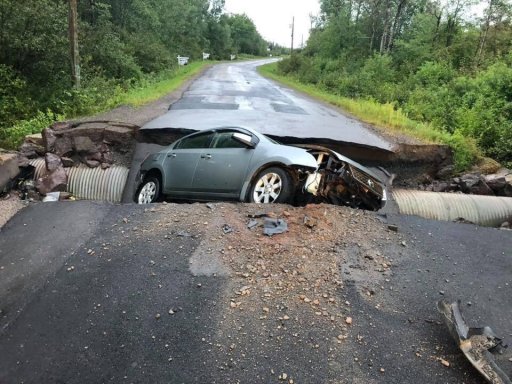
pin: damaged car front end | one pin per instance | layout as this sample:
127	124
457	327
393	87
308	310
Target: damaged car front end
342	181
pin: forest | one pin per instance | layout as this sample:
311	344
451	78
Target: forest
122	44
447	64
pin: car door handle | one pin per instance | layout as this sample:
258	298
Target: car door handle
206	157
171	155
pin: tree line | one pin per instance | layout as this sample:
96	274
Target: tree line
121	43
431	59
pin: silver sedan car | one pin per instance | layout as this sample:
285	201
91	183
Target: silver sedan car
242	164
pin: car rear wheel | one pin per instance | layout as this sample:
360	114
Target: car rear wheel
272	185
149	191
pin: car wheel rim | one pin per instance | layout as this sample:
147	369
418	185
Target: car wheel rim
267	188
147	193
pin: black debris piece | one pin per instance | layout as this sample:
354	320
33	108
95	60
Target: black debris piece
257	215
227	229
274	226
252	223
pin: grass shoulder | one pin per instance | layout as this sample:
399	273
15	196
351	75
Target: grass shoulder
164	83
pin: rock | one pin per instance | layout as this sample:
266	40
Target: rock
84	144
507	191
8	169
119	135
481	188
496	183
63	146
49	139
440	186
445	363
67	162
348	320
445	172
55	181
488	165
474	184
32	150
52	162
33	146
94	131
36	139
23	161
92	163
94	156
61	126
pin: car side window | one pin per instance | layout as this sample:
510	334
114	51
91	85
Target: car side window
196	141
226	140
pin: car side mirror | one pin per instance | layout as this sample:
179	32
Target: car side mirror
245	139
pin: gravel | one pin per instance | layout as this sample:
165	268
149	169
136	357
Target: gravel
9	205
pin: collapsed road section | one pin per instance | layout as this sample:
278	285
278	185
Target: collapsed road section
99	161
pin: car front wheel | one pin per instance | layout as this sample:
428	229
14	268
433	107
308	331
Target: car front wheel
272	185
149	191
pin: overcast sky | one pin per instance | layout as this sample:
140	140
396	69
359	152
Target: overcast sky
273	18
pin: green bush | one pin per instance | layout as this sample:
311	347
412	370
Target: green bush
465	150
12	137
14	103
486	111
290	65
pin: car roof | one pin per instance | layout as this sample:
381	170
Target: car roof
226	128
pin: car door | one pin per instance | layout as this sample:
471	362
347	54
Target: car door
222	168
181	162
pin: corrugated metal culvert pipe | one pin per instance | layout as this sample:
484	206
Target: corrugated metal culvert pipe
489	211
91	183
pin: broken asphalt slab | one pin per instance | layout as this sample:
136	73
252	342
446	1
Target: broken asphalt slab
115	298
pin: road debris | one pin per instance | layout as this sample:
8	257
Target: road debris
274	226
226	228
481	346
252	224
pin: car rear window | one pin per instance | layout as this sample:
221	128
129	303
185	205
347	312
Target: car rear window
226	140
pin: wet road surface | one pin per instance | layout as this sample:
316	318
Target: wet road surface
234	94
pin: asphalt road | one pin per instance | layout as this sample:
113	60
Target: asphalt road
234	94
82	284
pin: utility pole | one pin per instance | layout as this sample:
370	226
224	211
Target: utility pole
293	29
73	40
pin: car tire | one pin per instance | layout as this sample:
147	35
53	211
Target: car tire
272	185
149	191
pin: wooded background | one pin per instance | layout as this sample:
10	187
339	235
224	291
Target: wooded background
432	60
122	44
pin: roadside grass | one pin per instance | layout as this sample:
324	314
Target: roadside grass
146	91
385	118
165	83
